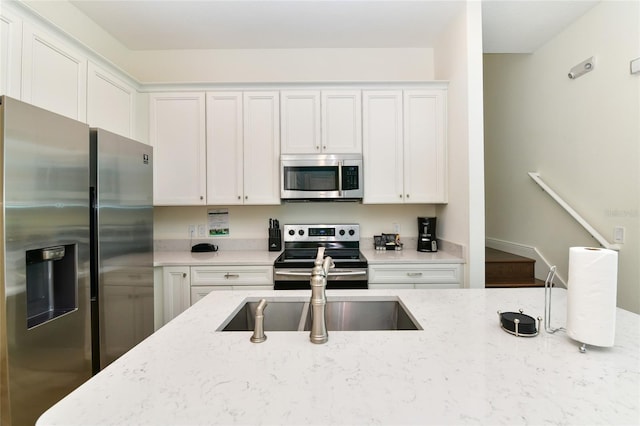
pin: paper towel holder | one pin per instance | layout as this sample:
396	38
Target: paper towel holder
548	285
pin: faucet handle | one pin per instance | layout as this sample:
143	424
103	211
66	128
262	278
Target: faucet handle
328	264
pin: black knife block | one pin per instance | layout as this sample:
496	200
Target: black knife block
275	239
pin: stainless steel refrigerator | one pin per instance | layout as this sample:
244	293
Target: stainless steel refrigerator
121	245
45	333
76	265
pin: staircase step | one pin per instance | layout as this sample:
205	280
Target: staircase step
504	269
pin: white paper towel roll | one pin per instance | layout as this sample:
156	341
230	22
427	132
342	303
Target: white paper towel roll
591	295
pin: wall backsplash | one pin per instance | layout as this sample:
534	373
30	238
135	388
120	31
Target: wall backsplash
251	222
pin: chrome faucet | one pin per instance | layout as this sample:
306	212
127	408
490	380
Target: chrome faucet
318	297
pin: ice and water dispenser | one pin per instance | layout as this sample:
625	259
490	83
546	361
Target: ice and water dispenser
52	283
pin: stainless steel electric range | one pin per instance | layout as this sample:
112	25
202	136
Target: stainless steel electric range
292	269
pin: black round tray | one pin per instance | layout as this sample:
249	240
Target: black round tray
519	324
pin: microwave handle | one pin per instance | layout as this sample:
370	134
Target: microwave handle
340	178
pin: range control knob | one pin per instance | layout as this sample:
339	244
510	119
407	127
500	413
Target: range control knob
351	232
292	232
301	232
341	232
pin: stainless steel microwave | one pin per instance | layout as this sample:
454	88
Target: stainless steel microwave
321	177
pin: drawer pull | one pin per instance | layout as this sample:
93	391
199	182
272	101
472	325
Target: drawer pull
228	275
414	274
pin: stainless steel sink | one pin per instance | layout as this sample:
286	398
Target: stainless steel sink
342	314
279	315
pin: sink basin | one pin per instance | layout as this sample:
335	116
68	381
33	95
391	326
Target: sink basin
360	315
279	315
342	314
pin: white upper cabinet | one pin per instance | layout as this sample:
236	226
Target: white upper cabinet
54	75
300	111
10	53
404	144
110	102
382	146
243	148
327	122
341	121
261	129
178	135
425	171
225	183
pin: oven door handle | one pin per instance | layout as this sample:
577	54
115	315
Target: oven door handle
346	273
294	274
308	274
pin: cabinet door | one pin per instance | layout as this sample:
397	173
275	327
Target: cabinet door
300	111
382	146
341	122
425	171
177	290
54	75
110	102
11	53
261	148
178	135
225	183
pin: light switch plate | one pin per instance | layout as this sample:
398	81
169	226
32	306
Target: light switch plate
635	66
618	234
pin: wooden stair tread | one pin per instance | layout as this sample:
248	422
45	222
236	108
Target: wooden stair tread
504	269
493	255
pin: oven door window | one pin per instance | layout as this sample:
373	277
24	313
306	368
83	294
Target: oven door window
320	178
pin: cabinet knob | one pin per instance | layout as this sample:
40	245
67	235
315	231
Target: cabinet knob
246	197
239	197
184	275
324	147
201	197
317	147
407	195
400	195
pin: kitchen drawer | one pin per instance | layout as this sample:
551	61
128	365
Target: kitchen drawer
253	275
407	273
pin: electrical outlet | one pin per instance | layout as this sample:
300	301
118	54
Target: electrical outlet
192	231
618	234
202	231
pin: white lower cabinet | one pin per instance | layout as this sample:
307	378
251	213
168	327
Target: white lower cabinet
411	275
205	279
176	283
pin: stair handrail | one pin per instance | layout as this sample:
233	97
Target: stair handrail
590	229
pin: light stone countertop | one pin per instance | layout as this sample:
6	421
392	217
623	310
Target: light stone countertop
220	257
408	256
264	257
461	369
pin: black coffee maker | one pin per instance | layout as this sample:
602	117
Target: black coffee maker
427	234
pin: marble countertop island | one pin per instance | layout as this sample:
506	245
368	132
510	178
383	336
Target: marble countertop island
462	368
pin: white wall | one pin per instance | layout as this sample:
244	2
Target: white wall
251	222
282	65
582	136
458	58
240	65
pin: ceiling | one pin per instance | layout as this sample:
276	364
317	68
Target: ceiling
516	26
